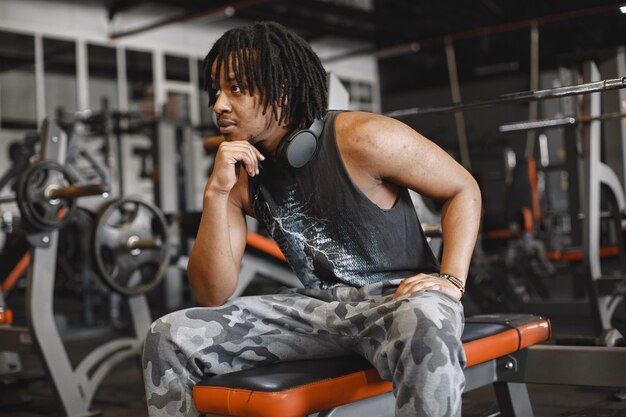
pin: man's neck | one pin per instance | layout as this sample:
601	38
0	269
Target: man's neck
270	144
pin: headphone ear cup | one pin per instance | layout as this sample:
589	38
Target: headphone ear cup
300	149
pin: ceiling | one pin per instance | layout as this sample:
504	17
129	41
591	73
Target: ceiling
490	37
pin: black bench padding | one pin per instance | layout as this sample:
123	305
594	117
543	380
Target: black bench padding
286	375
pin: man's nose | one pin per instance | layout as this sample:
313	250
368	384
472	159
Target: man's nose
221	104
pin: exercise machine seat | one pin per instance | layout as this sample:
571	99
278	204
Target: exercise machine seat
299	388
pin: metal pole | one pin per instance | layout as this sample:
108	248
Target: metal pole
534	85
82	76
455	90
615	101
597	174
523	96
40	86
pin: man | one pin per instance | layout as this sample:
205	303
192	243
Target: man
346	225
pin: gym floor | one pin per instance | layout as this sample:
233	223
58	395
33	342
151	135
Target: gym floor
121	393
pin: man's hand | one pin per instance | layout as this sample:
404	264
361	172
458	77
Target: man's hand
230	156
423	282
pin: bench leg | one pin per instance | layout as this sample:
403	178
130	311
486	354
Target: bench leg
380	406
513	399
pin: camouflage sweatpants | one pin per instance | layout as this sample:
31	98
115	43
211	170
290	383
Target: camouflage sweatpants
413	340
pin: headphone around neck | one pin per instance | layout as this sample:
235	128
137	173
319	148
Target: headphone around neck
297	148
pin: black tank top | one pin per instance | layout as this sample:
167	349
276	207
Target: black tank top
332	233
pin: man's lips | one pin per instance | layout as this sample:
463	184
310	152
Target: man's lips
226	126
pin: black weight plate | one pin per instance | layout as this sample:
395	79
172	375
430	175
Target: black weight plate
38	211
125	270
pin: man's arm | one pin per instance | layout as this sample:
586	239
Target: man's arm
215	258
387	150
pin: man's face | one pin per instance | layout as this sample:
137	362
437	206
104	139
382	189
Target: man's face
239	115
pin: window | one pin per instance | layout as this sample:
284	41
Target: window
177	68
140	80
361	94
102	70
206	113
59	76
18	109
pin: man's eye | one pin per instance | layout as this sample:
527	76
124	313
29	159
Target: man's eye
235	88
218	92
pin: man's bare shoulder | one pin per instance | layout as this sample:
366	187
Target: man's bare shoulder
365	136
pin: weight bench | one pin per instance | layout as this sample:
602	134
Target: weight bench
349	386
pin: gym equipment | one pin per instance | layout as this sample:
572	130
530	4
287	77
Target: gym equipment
46	191
607	292
131	246
523	96
19	154
350	386
83	164
556	122
10	365
430	220
74	386
517	265
46	195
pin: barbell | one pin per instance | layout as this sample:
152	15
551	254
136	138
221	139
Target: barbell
557	122
130	241
523	96
46	195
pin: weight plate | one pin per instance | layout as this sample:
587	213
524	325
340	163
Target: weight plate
131	246
37	210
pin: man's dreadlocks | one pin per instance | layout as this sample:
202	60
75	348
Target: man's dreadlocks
279	63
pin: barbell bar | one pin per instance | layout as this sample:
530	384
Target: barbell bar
76	191
522	96
556	122
72	191
137	243
7	199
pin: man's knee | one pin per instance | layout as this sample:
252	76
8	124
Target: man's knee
432	308
153	344
429	326
163	334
